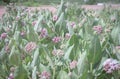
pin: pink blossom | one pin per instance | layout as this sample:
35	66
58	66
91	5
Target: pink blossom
58	52
17	18
27	10
98	29
45	75
56	39
7	49
22	33
12	69
34	22
3	35
11	76
111	65
44	33
30	46
7	29
73	64
55	18
73	24
117	47
67	35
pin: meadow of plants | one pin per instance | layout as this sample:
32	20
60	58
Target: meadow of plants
72	43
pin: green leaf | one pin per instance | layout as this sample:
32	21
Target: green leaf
81	66
115	34
60	24
38	24
21	72
34	73
70	29
74	40
3	55
43	68
32	35
63	75
48	57
14	57
60	10
67	53
35	58
94	51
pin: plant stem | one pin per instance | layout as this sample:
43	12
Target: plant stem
53	73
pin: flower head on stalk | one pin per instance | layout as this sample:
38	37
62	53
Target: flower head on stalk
30	46
22	33
45	75
11	76
111	65
34	22
56	39
44	33
73	24
67	35
55	18
98	29
73	64
58	52
3	35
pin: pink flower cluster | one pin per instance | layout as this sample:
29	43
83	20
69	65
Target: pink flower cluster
22	33
55	18
117	47
98	29
7	49
58	52
67	35
34	22
111	65
56	39
44	33
17	18
30	46
8	29
45	75
73	64
73	24
11	76
3	35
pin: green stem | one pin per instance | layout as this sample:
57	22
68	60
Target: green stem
53	73
91	65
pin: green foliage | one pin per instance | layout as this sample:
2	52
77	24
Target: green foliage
72	43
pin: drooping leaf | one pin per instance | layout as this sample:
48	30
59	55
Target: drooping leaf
82	65
14	57
63	75
94	50
32	35
34	73
21	72
67	53
35	58
115	34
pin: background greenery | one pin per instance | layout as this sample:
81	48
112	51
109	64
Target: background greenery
48	2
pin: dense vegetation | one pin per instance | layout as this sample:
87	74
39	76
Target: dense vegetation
72	43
